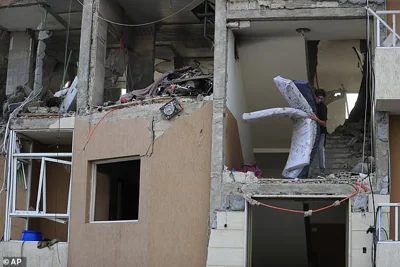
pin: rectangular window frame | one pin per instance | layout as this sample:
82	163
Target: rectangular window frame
93	188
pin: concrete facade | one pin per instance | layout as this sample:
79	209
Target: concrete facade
187	185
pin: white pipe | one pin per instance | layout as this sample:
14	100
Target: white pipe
378	33
382	21
41	155
44	187
39	195
387	12
9	157
14	185
23	214
28	193
396	224
379	224
58	161
14	175
394	29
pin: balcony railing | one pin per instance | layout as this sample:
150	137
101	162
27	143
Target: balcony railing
392	206
379	22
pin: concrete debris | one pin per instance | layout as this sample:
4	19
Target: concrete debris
385	185
40	110
19	95
360	168
331	176
231	176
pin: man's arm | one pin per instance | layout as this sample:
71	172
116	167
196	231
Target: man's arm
315	118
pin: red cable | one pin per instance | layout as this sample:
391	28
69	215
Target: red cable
95	127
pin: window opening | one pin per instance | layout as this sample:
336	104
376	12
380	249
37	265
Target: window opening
16	175
115	190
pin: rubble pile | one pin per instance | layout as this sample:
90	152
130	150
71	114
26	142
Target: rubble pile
187	81
356	130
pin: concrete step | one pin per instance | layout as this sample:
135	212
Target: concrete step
340	137
334	145
346	155
330	165
328	171
339	141
338	151
337	160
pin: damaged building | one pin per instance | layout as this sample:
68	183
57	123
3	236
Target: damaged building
176	133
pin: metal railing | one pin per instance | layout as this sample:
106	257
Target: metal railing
396	207
380	21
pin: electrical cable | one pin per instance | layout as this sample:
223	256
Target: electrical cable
136	25
355	185
97	124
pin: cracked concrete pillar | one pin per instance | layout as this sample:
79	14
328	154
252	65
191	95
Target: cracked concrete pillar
20	61
219	105
92	56
4	47
140	70
40	55
381	146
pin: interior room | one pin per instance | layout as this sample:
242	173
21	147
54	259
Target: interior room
140	55
319	240
116	188
320	52
53	188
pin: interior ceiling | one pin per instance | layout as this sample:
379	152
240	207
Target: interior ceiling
64	6
319	29
143	11
16	19
48	137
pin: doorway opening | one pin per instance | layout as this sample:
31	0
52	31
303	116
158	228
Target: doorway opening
286	239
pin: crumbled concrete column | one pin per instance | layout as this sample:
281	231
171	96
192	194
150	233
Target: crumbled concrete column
92	56
381	147
4	47
40	55
141	43
20	60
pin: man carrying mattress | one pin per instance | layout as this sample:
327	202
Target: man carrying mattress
320	118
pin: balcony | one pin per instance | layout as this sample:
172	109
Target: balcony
388	245
387	58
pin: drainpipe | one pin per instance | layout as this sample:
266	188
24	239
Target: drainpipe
40	55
